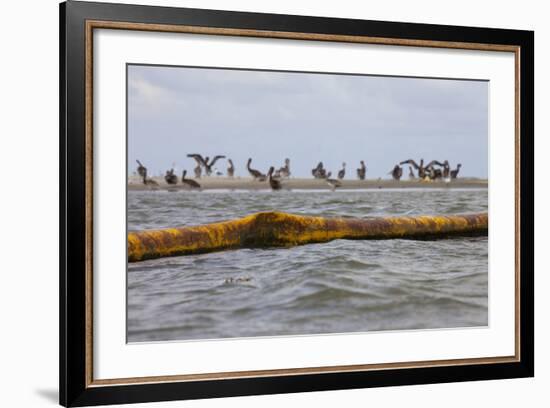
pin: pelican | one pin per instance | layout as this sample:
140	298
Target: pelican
411	173
397	172
198	170
285	170
333	183
361	171
256	174
342	173
208	166
142	170
189	182
273	182
446	170
315	171
454	173
319	172
230	168
170	177
201	162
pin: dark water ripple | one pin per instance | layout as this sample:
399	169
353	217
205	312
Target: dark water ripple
336	287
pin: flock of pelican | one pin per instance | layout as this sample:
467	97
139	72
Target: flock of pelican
428	172
434	170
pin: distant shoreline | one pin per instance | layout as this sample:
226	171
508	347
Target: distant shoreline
247	183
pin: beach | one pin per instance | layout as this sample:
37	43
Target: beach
247	183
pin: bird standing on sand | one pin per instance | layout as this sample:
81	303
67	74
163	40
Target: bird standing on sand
189	182
273	182
201	162
198	170
333	183
342	173
285	170
319	172
170	177
362	171
315	171
142	170
411	173
256	174
454	173
397	172
446	170
230	168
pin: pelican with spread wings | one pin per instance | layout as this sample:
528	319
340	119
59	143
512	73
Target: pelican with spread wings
204	161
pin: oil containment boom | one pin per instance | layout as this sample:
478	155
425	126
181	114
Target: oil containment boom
278	229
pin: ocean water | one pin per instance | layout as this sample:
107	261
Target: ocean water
337	287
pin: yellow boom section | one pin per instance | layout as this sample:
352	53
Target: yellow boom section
276	229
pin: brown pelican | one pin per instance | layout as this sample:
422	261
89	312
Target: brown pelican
315	171
208	166
333	183
198	171
273	182
411	173
362	171
319	172
342	173
256	174
190	183
201	162
397	172
230	168
142	170
454	173
170	177
285	170
446	170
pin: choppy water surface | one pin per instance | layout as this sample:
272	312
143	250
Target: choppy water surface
336	287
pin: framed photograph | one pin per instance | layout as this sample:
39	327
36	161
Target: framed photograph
256	203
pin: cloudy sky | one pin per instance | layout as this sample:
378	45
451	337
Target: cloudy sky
173	111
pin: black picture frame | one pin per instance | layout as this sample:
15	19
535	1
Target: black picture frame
75	389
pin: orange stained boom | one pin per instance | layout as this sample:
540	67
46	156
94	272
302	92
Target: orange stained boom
277	229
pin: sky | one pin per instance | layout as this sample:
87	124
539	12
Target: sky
307	117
